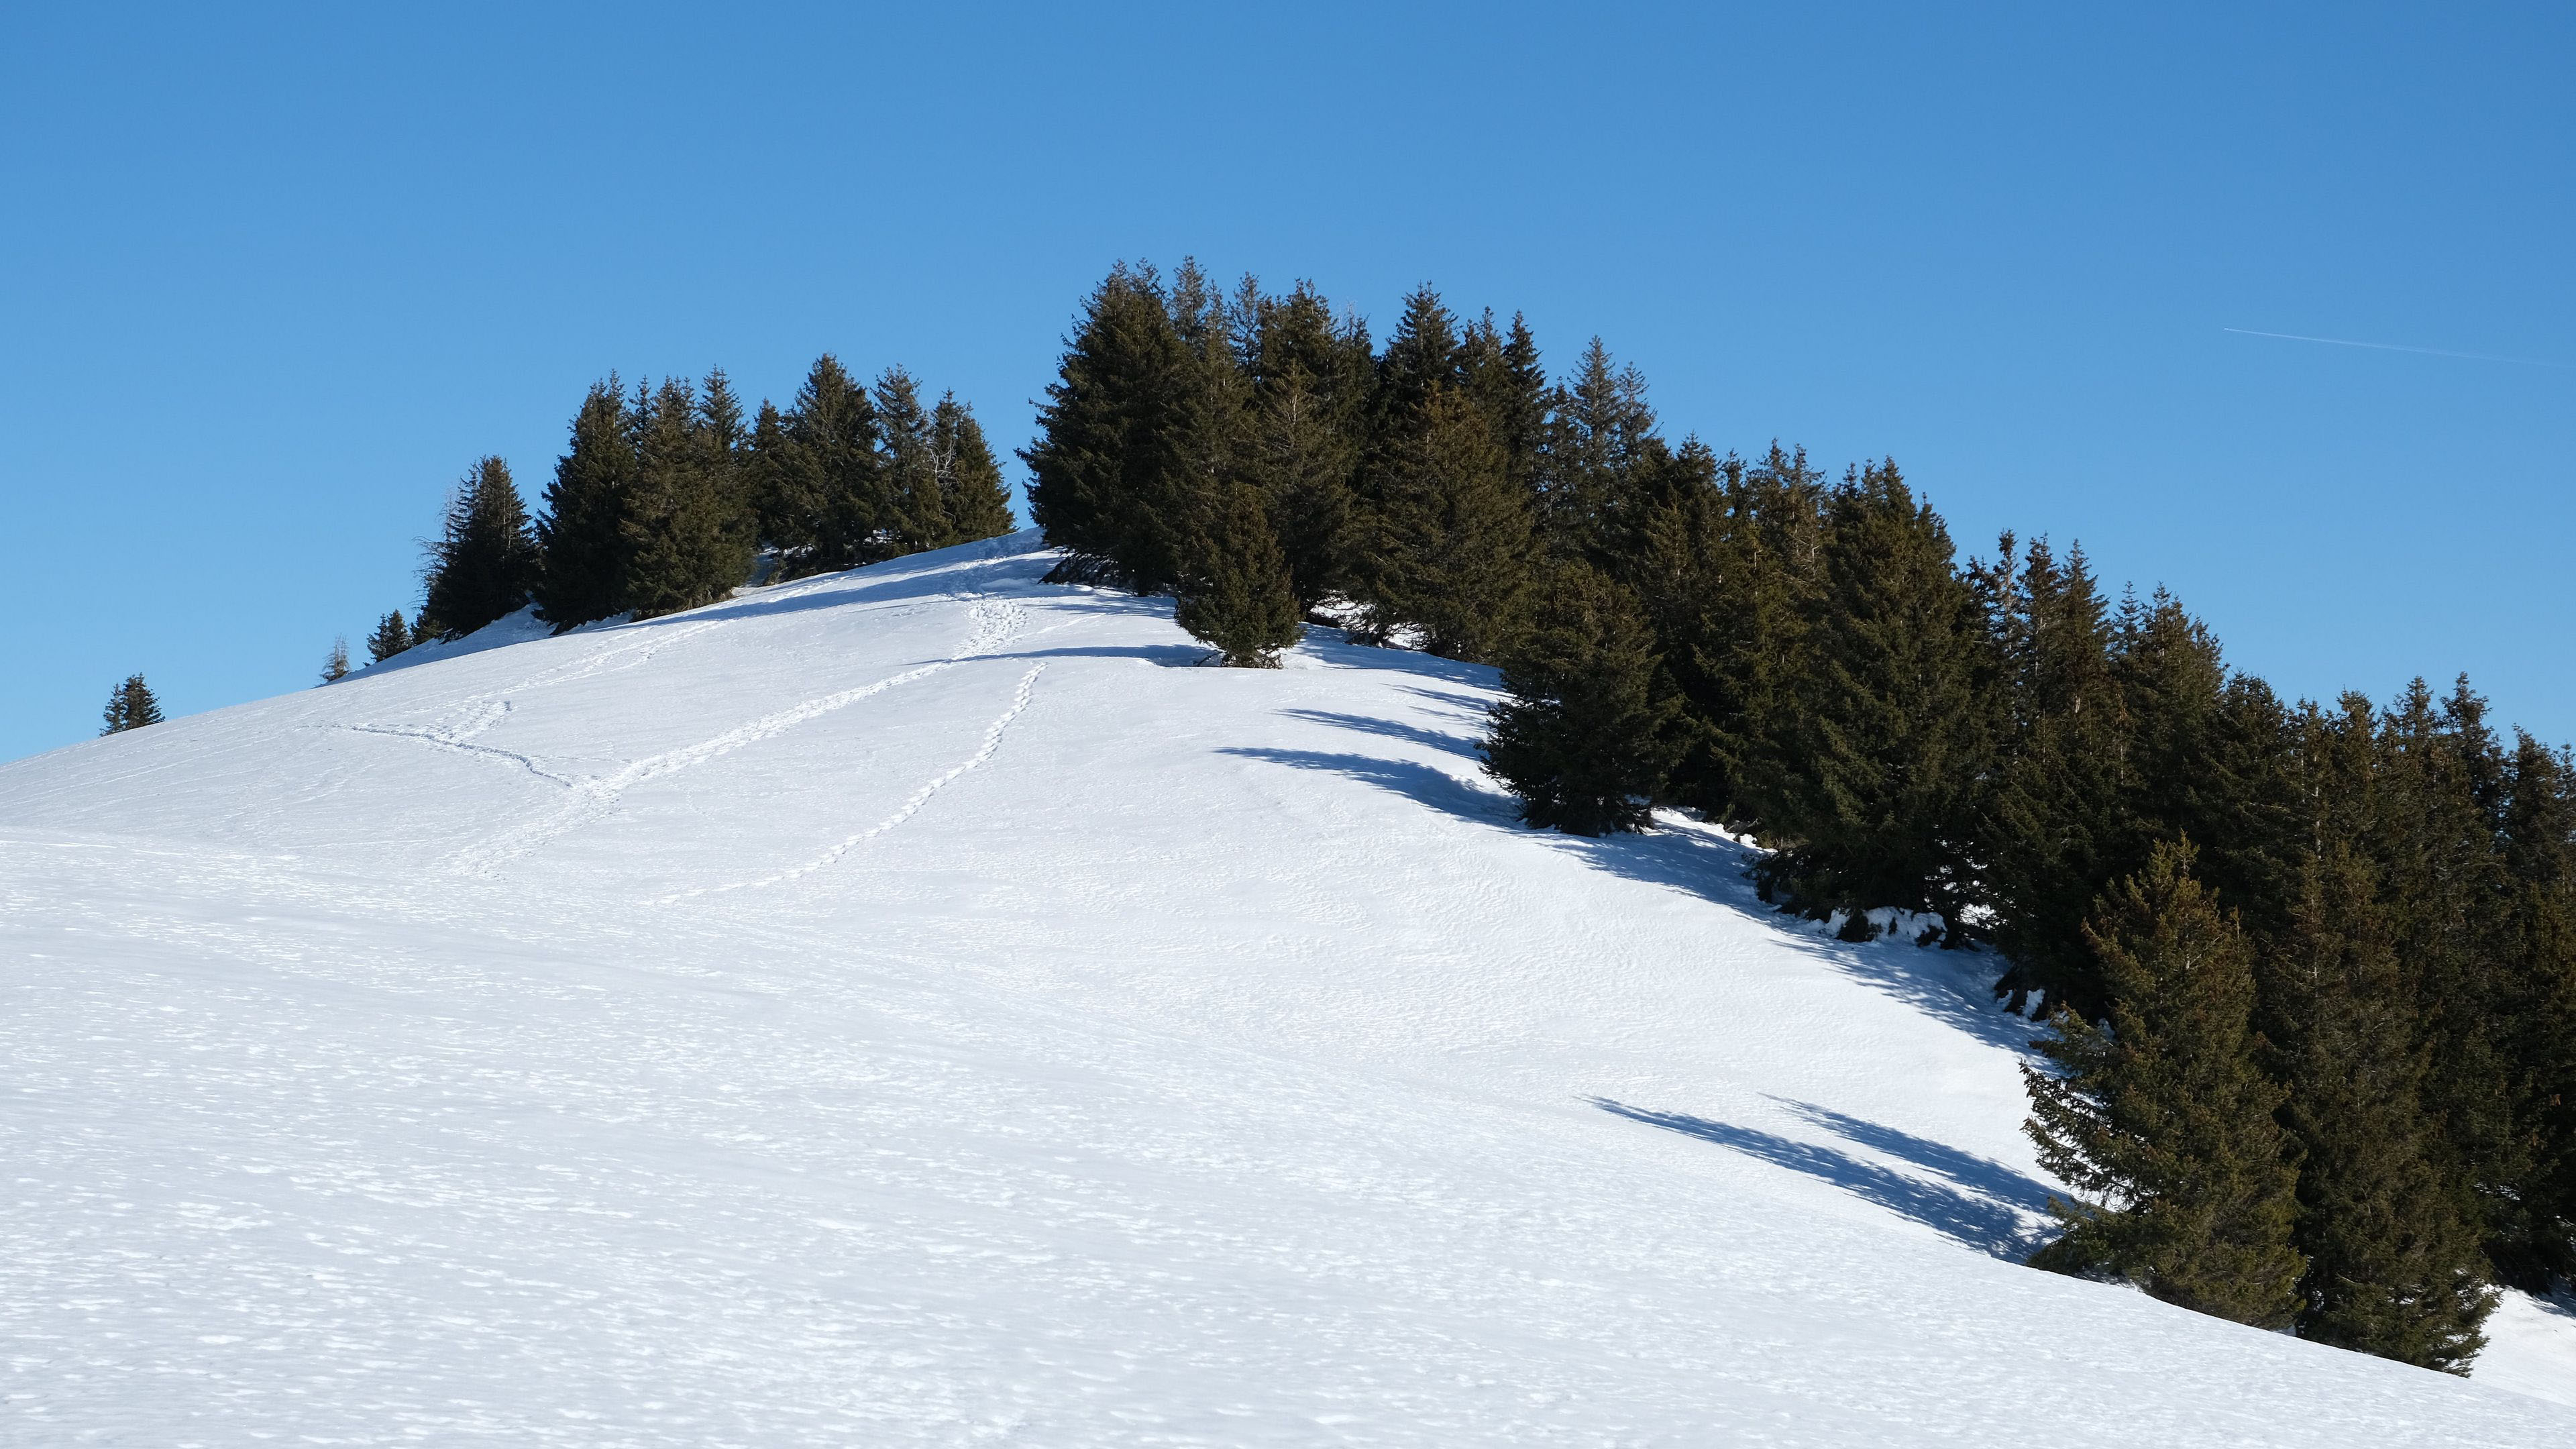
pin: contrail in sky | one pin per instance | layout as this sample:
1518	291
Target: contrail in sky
2393	347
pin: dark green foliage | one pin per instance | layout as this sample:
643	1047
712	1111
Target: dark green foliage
1870	771
2393	1262
335	665
817	484
2531	1233
484	561
1310	377
130	706
915	508
1585	738
1452	553
688	535
583	537
1603	463
1237	596
392	637
2166	1121
976	500
1119	463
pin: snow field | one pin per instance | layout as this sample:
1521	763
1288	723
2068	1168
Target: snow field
908	1006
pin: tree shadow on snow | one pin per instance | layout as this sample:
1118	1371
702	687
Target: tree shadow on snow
1436	788
1982	1210
1954	987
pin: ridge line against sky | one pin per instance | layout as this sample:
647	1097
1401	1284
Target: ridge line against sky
286	272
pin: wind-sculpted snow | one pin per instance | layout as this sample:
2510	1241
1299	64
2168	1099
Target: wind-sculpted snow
913	1007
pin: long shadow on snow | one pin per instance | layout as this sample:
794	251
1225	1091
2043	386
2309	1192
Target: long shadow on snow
1976	1218
1951	986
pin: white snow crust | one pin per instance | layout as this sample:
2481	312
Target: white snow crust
912	1006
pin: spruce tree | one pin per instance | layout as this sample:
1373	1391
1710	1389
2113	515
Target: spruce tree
130	706
1879	749
1116	471
971	490
818	489
392	637
1310	378
917	512
1602	457
2165	1121
2533	1241
688	538
583	539
1237	597
2394	1267
1584	738
485	560
1452	554
335	665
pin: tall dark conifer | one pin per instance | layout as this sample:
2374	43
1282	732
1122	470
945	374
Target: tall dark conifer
2165	1121
2393	1262
583	539
916	508
1874	761
1309	378
688	535
1114	470
1236	596
484	561
971	490
392	636
1584	739
1453	555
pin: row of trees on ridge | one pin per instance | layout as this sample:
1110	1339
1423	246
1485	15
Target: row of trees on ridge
2310	968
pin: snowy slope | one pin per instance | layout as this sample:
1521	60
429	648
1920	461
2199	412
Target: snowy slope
903	1007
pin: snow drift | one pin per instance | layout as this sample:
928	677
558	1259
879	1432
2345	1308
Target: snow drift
908	1006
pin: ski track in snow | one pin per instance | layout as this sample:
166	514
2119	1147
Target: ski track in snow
996	622
984	751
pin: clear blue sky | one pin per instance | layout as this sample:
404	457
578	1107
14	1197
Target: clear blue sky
270	281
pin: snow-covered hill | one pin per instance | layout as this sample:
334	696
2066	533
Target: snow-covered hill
907	1007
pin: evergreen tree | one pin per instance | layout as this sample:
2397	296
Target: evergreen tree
2166	1121
392	637
1453	553
584	540
1310	378
1873	763
1116	468
1237	597
335	665
1500	371
688	539
485	560
2532	1238
976	500
130	706
1584	739
2394	1267
818	485
916	515
1601	462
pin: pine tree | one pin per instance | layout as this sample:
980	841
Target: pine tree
1452	554
392	637
2166	1120
1584	739
485	560
1879	746
917	515
971	490
1115	473
130	706
818	489
1310	378
1237	598
1602	457
2394	1267
2533	1241
688	540
584	541
335	665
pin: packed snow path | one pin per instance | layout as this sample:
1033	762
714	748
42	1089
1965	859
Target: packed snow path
908	1006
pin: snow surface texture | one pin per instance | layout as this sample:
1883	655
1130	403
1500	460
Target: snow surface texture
907	1007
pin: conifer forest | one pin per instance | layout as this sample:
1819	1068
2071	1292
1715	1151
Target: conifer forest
2303	972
